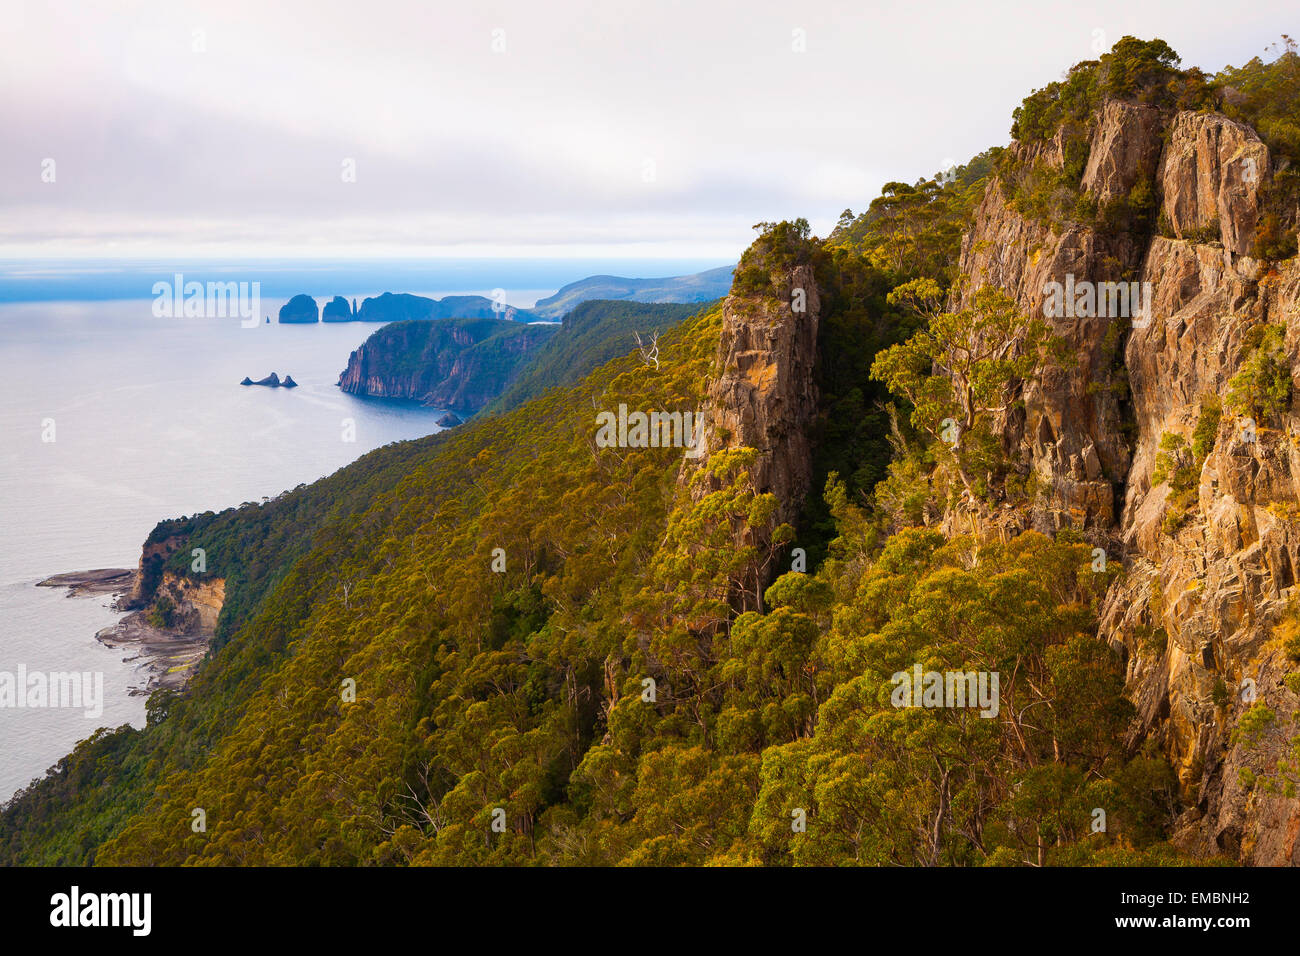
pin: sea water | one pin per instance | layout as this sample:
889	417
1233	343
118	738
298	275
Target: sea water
112	419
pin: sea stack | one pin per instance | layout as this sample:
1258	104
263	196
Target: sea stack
338	310
271	381
300	309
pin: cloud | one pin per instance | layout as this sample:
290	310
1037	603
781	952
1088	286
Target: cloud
631	127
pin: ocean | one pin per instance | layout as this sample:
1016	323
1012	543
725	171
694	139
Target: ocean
147	421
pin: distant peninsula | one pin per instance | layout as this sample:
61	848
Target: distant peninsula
453	364
697	288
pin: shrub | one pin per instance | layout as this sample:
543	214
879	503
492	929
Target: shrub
1207	427
160	615
1262	387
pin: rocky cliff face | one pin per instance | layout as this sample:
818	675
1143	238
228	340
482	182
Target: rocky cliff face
765	396
149	571
197	603
1207	573
197	600
458	364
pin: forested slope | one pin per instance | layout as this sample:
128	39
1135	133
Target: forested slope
518	644
595	332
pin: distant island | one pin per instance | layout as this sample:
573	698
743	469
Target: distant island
400	307
300	309
272	381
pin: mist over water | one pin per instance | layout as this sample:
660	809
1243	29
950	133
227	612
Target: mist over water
150	422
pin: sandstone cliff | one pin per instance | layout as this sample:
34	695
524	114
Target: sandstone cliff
765	396
1207	573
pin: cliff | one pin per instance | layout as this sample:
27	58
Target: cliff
457	364
1210	564
765	397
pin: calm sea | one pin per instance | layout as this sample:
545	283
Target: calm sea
149	421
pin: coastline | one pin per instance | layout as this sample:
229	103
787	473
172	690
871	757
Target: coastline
166	657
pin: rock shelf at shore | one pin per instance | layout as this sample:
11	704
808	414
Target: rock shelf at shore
167	658
101	581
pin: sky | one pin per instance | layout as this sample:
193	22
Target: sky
570	128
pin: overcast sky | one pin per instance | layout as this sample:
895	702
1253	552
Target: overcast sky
556	128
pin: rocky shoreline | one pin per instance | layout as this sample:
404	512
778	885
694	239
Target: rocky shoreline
167	658
84	583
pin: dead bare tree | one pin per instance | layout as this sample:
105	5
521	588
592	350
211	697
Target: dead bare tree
649	353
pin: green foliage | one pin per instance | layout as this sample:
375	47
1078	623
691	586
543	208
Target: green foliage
1262	387
1180	465
915	231
1266	96
962	366
1145	71
1064	113
852	436
160	614
459	363
1287	631
523	691
595	332
1207	427
779	247
626	691
1252	724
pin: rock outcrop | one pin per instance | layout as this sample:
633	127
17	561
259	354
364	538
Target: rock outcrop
171	635
1205	579
300	309
272	381
765	397
1211	178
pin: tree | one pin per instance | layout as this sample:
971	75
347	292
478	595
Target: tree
1263	385
961	368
